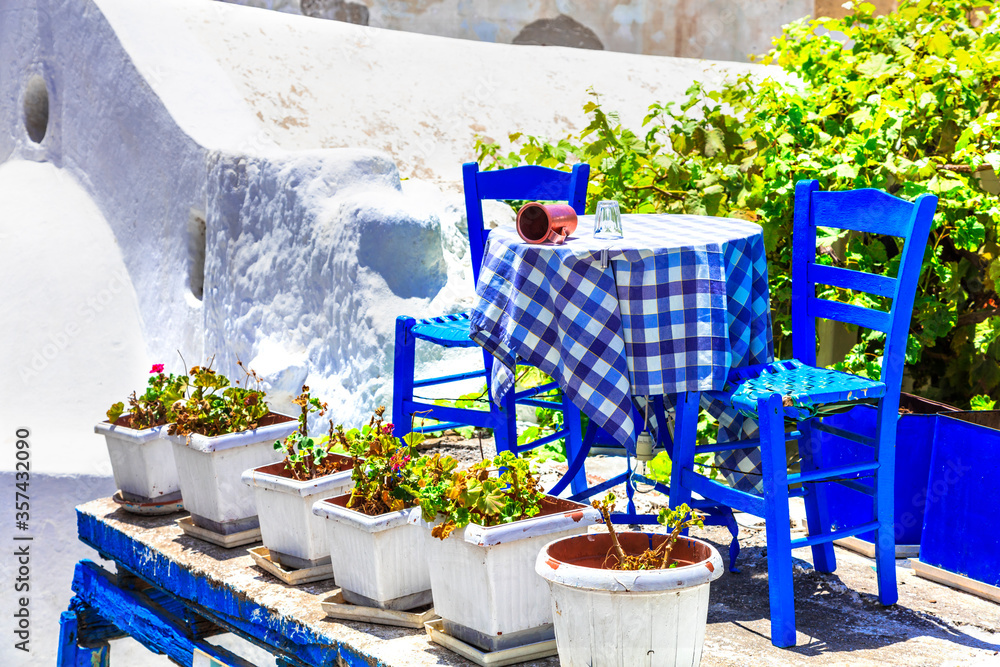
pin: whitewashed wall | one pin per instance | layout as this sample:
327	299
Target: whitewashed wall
323	160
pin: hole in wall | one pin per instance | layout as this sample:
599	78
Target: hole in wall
36	108
196	254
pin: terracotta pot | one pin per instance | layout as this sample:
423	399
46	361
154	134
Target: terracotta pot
540	223
607	618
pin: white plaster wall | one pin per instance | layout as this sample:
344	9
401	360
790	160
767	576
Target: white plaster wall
312	256
423	99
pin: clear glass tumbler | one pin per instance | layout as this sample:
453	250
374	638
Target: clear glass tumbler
607	220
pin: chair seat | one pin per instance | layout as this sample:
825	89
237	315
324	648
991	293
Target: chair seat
806	390
447	330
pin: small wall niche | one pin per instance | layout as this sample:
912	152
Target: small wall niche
36	108
196	254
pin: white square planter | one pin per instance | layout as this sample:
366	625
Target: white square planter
484	582
142	462
378	561
288	527
210	471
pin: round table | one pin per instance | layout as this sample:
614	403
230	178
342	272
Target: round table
669	308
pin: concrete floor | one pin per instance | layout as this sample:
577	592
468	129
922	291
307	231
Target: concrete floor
838	616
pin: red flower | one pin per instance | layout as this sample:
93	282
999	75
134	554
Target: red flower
157	368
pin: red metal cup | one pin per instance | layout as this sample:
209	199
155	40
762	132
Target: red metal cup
539	223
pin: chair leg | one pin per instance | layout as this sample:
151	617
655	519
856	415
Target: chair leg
574	443
885	537
817	510
504	415
685	439
404	358
779	539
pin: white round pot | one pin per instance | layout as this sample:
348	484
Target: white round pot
291	532
210	472
483	580
613	618
142	462
378	561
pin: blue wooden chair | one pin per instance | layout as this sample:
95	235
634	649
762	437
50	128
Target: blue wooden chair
788	398
520	183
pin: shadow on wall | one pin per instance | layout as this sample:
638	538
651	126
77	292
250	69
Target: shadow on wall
405	251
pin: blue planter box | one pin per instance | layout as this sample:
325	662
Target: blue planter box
963	501
914	440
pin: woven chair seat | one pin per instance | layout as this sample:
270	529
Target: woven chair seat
806	390
447	330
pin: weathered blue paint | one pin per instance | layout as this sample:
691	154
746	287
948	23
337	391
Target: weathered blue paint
134	614
204	597
961	512
528	182
76	650
792	390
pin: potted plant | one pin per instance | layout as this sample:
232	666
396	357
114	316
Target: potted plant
142	458
221	429
378	557
285	491
630	598
482	577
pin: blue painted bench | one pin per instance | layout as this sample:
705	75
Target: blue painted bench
170	592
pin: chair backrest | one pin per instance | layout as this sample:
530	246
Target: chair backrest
875	212
529	182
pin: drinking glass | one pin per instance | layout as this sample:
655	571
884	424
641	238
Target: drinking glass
607	220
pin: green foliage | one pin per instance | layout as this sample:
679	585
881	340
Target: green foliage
909	103
708	429
982	403
306	457
491	492
213	406
152	408
675	520
384	475
203	401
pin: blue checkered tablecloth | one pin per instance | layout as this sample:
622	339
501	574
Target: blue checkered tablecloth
669	308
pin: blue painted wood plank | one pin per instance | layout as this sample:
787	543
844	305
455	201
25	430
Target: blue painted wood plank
863	210
70	652
725	495
848	313
140	620
221	604
824	538
829	473
849	279
865	440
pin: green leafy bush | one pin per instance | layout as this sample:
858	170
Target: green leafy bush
489	493
213	406
909	103
152	407
307	457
